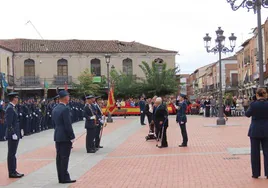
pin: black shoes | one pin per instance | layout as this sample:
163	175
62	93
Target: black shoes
92	151
100	147
16	175
183	145
162	146
255	177
68	181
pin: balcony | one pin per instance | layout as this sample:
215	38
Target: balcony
62	80
28	81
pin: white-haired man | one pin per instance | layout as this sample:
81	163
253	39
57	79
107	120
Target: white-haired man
160	118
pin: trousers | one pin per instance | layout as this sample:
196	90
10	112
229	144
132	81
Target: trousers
11	155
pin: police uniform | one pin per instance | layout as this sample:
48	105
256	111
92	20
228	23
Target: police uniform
142	111
90	126
181	119
13	135
63	137
98	113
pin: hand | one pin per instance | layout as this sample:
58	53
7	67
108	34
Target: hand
14	137
48	113
161	122
93	117
20	114
141	112
182	122
22	132
27	116
101	121
36	115
84	118
72	140
1	102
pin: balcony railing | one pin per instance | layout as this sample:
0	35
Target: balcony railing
62	80
28	81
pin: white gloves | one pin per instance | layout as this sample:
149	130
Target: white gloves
93	117
72	140
141	112
22	132
27	116
101	121
20	114
84	118
48	113
39	110
14	137
1	102
36	115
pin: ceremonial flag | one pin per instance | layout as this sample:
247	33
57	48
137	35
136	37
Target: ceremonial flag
111	102
65	86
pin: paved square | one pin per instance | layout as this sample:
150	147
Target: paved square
127	160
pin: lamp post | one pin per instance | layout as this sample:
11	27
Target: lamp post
256	6
108	58
220	48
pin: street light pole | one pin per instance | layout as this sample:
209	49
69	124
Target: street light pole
107	58
220	48
256	6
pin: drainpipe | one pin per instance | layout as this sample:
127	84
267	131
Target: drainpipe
13	70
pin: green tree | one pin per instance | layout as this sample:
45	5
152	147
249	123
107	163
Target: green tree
86	84
125	85
159	80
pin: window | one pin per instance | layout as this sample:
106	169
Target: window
29	67
159	62
95	67
127	66
8	66
62	67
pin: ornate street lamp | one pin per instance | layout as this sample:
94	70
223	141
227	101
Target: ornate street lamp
220	48
107	59
256	6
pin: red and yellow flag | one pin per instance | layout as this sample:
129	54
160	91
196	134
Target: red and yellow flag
111	102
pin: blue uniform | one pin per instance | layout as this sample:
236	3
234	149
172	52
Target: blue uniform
97	111
142	111
258	133
62	136
13	128
90	126
182	120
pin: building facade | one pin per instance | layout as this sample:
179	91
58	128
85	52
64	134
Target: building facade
60	62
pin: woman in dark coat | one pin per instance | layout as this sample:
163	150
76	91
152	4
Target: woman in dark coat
258	132
207	107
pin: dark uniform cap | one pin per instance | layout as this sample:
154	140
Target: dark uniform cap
56	97
183	96
63	93
90	97
97	97
13	94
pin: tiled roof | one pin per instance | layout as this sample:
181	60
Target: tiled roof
82	46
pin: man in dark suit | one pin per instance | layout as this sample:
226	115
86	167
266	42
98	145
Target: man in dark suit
160	118
181	119
63	137
258	132
142	110
13	134
90	124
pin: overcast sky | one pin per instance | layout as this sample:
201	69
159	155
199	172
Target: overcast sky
170	24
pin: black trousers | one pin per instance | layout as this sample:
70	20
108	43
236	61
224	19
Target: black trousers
256	156
11	155
184	134
164	134
149	117
91	133
62	160
97	137
142	118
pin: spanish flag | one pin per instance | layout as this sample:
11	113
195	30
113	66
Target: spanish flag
111	102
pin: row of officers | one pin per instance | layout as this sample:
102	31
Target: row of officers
61	118
36	115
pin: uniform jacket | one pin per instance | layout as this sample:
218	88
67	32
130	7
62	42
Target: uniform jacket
61	120
181	113
90	123
12	122
259	119
160	114
142	105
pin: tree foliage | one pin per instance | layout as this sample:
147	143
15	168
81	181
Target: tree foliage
125	86
86	84
158	79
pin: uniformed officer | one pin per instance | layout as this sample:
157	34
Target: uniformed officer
63	136
99	121
142	110
181	119
258	132
13	135
90	124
